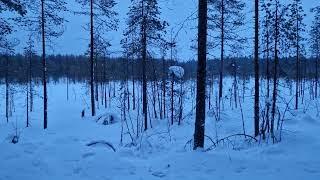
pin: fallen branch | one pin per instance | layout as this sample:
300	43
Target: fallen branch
245	135
105	143
215	144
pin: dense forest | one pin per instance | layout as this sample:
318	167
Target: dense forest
76	68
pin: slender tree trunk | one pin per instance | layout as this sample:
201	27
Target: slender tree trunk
266	126
144	78
96	80
172	95
221	55
27	106
297	63
44	68
104	80
133	93
93	108
127	83
164	82
7	88
201	76
317	76
235	85
30	84
28	88
275	74
180	103
67	86
256	69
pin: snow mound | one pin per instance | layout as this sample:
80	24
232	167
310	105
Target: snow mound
107	118
178	71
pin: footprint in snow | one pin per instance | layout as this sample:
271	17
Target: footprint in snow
159	174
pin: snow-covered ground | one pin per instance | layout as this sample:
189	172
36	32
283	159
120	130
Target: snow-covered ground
61	151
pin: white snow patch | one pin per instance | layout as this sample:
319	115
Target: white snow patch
178	71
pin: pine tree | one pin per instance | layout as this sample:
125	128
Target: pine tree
144	17
296	28
315	43
275	35
5	26
256	69
29	53
102	18
267	51
201	75
44	19
225	17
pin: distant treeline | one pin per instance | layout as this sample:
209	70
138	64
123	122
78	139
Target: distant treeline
76	68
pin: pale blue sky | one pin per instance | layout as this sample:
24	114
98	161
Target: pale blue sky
75	39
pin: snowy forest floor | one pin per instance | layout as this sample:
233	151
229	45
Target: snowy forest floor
61	151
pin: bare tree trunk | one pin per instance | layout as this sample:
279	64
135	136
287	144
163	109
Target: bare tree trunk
256	68
159	99
221	56
172	95
93	108
44	68
127	83
154	89
164	82
209	93
133	87
201	76
266	126
96	80
68	86
297	69
30	85
27	106
235	85
275	74
7	88
317	76
104	81
144	78
180	103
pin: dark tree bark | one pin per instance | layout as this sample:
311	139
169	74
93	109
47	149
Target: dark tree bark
317	76
133	87
30	85
7	88
256	70
201	75
144	78
275	73
44	68
297	65
93	107
172	95
221	55
164	82
27	106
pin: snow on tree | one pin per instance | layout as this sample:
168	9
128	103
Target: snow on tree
177	71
